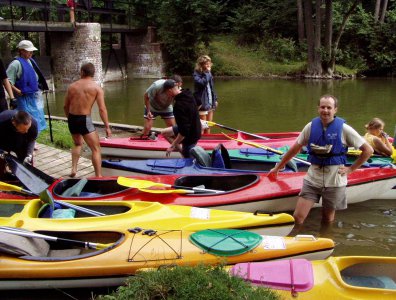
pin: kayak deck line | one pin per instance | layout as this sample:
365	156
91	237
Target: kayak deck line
57	163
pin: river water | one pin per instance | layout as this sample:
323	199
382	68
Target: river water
269	105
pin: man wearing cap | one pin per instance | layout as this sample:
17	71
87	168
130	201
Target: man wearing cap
158	102
27	79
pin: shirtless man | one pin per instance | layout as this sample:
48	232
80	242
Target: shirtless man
80	97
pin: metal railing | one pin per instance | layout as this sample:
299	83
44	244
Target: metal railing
101	11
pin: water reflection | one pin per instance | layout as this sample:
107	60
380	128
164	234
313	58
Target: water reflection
262	105
364	228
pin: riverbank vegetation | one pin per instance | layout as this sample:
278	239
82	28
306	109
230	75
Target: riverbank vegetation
185	283
309	37
60	135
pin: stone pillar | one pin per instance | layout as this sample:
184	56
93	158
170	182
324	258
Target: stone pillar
70	50
144	55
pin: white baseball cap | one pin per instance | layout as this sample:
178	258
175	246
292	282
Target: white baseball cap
26	45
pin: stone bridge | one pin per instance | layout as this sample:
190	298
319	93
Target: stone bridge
103	35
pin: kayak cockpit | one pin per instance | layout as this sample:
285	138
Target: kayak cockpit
91	188
56	246
227	183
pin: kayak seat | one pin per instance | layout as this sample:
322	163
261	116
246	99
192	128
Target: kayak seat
379	282
17	245
75	190
201	156
221	157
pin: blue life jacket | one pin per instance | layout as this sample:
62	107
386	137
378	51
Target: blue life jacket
27	83
330	136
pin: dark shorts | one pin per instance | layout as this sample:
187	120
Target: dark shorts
332	197
80	124
163	115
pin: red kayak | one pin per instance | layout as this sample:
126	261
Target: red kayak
246	192
147	148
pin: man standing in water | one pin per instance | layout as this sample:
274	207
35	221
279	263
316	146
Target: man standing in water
80	97
327	138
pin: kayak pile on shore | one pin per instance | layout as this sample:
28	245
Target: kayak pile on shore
216	208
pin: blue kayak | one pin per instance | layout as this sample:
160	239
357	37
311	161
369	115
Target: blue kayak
202	164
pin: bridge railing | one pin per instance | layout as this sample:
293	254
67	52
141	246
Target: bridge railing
101	11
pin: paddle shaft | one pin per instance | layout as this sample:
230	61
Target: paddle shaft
29	234
237	130
266	148
81	209
47	197
194	188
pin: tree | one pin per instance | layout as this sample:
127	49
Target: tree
319	65
300	22
380	9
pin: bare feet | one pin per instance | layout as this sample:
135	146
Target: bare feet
73	174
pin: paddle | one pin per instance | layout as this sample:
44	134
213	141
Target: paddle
266	148
30	234
210	123
144	184
46	196
13	188
31	177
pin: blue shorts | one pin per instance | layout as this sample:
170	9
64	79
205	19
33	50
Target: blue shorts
163	115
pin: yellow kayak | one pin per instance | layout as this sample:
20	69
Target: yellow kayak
347	277
123	215
103	258
357	152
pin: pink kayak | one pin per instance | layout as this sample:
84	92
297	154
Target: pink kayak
147	148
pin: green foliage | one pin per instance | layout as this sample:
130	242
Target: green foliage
231	59
184	27
60	134
369	46
186	283
254	20
280	49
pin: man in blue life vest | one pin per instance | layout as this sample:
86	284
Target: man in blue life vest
27	80
327	138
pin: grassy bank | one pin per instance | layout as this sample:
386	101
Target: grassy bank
258	61
234	60
60	134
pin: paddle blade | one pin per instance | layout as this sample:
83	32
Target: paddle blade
8	187
14	188
178	191
137	183
210	123
31	177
